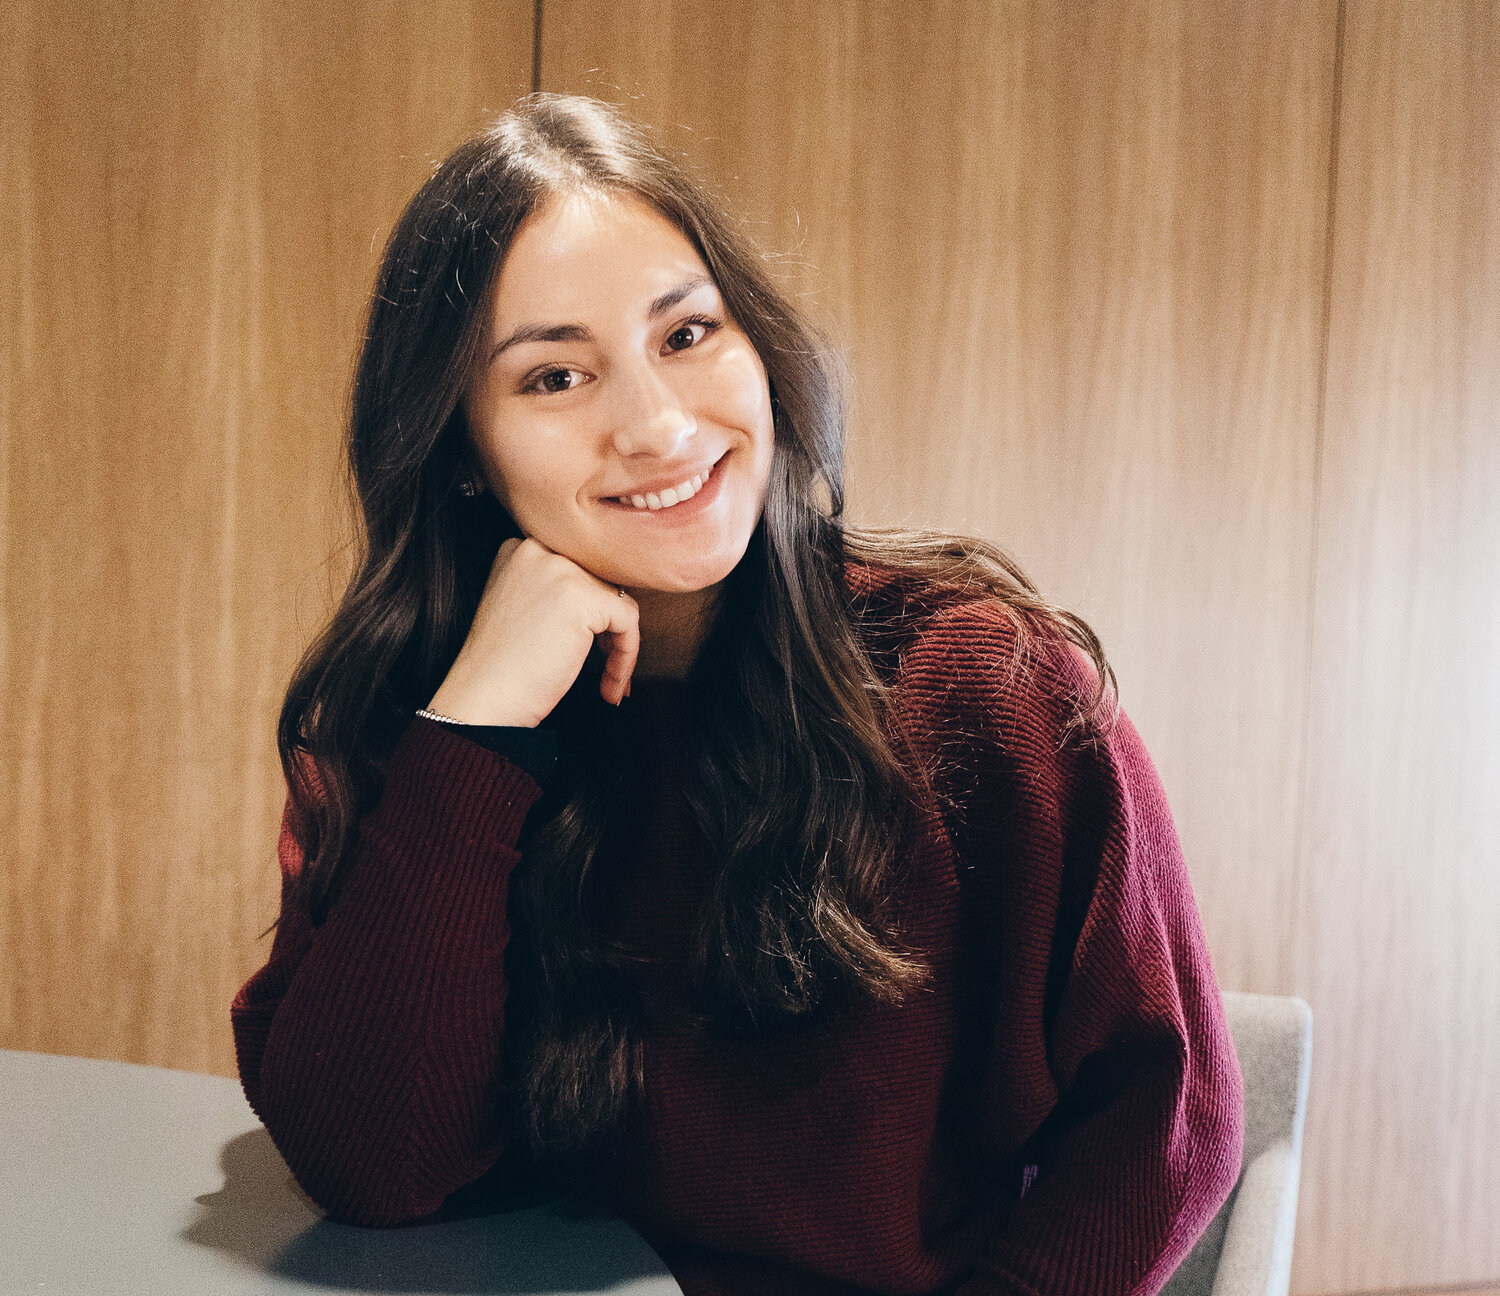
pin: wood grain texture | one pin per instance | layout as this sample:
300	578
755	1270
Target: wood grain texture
1077	254
1400	899
196	194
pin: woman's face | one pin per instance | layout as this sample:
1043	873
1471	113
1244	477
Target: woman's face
610	377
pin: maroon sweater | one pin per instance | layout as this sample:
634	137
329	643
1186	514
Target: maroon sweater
1059	1112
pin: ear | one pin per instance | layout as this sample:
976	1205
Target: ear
471	480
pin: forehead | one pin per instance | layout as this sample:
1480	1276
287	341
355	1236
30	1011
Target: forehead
585	252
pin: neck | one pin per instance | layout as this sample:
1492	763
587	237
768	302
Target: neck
673	628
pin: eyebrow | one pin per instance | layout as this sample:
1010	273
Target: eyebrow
578	333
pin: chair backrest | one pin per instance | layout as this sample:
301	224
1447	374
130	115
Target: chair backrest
1247	1249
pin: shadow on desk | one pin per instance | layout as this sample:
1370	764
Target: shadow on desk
497	1235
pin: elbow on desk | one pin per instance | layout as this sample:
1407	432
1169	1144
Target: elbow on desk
354	1166
375	1145
364	1190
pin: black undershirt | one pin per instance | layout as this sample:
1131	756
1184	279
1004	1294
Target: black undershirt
534	750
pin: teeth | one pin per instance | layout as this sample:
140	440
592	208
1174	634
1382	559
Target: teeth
672	495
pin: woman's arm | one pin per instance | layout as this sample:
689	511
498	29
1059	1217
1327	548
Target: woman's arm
370	1046
1112	1064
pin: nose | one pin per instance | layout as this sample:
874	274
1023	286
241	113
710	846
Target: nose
650	418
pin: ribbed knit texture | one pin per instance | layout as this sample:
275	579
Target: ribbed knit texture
1059	1112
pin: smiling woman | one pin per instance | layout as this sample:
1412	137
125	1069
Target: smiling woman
596	433
798	892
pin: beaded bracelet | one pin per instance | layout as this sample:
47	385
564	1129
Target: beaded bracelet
433	715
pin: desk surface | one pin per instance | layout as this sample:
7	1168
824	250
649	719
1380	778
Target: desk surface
117	1178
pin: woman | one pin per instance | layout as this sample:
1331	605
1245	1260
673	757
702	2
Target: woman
793	891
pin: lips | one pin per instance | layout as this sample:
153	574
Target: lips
669	482
657	510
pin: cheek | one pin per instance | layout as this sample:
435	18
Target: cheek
742	395
520	471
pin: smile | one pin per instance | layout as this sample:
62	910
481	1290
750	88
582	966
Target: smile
673	497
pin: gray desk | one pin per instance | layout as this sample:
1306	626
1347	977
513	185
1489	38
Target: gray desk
117	1178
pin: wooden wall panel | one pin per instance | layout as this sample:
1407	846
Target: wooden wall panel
1400	902
195	197
1077	253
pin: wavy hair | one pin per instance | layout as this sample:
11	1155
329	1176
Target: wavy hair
796	776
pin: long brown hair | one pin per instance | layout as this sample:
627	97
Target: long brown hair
796	775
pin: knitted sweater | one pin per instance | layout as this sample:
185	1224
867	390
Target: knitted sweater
1059	1111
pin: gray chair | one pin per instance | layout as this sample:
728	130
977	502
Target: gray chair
1247	1250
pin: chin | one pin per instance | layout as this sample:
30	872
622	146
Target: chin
676	582
689	577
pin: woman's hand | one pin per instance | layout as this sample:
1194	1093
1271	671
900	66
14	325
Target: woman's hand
538	619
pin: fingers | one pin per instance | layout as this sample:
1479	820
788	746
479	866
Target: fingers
611	615
619	633
507	551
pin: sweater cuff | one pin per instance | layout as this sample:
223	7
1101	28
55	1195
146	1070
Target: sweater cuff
463	793
534	750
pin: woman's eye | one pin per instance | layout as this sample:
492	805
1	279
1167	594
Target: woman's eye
554	381
690	332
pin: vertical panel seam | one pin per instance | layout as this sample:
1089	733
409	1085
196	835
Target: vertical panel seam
536	45
1304	777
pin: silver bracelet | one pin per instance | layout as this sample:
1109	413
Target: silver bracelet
433	715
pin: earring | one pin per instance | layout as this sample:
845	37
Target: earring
467	487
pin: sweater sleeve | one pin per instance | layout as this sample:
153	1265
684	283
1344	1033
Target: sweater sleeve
534	750
1111	1064
370	1045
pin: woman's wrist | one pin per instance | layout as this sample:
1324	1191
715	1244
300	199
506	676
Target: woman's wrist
456	709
